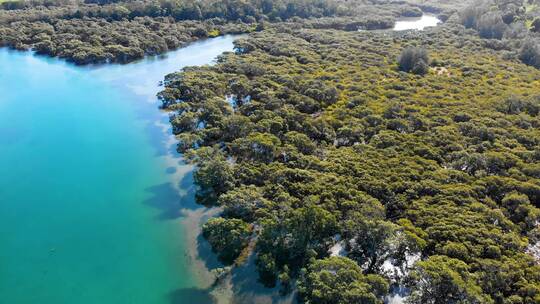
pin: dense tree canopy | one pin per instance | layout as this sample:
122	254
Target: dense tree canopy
339	280
329	144
440	279
412	156
122	31
227	236
513	24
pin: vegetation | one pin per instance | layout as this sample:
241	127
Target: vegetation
323	142
530	53
227	236
122	31
514	23
441	279
340	280
415	60
348	162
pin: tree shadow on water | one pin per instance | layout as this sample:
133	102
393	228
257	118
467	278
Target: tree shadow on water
204	252
157	137
191	296
249	290
171	170
169	201
166	199
187	184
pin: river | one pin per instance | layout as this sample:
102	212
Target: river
93	196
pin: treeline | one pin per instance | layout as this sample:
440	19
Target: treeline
126	31
351	177
93	41
232	10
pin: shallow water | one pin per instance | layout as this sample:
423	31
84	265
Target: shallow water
90	210
416	23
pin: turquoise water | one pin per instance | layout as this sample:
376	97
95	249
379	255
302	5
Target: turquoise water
89	212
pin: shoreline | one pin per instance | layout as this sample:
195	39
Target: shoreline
191	215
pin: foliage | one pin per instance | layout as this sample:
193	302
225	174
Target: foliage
372	242
292	239
415	60
227	236
530	53
327	143
509	21
339	280
310	135
99	31
214	177
491	26
440	279
243	203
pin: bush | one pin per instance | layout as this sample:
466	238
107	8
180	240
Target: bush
340	280
491	26
530	53
415	60
469	15
535	26
412	12
228	237
420	68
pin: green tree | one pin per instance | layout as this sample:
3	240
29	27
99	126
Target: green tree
243	203
339	280
521	211
228	237
214	177
415	60
371	242
257	146
530	53
441	280
302	234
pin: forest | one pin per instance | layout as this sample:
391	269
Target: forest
353	163
97	32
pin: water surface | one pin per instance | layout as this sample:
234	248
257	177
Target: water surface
89	205
416	23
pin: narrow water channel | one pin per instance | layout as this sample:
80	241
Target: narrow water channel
416	23
93	196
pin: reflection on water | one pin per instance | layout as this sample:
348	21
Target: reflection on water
416	23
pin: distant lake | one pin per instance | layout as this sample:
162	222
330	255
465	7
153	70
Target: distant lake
415	23
90	207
